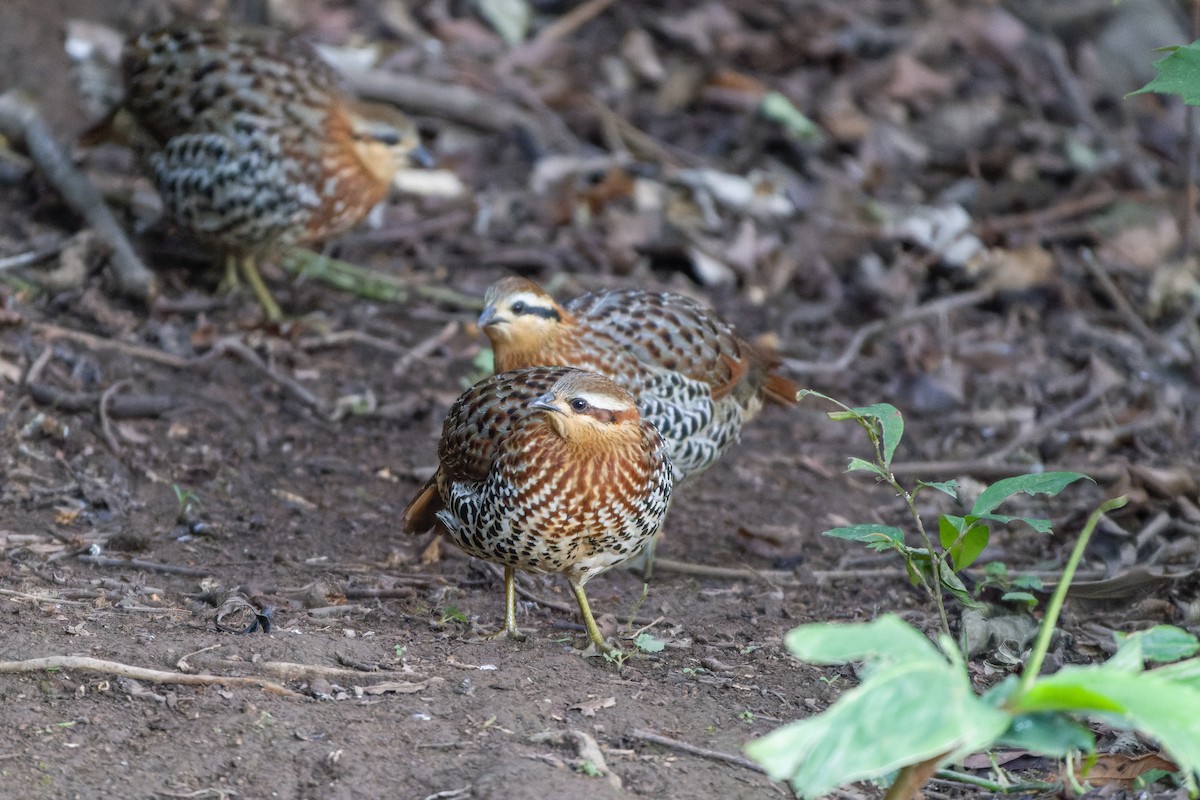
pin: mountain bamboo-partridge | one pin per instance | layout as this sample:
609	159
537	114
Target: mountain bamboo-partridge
256	145
547	469
695	379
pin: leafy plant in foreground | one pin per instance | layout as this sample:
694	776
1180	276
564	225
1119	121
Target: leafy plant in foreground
916	710
960	539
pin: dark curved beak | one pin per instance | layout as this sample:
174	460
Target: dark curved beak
545	402
488	317
420	157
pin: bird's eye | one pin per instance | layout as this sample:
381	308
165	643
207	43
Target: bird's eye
579	404
389	138
518	307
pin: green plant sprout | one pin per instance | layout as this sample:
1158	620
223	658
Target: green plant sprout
186	500
960	539
916	709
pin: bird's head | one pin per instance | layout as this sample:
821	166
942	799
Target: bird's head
589	410
520	319
385	139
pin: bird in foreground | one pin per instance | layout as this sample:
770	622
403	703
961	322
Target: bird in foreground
256	146
547	469
695	379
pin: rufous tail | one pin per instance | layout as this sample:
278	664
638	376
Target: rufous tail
421	514
779	389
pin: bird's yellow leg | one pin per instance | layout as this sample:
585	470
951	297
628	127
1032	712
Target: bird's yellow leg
510	607
589	622
250	272
231	281
510	604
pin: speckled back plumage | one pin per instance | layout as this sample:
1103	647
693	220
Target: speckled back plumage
255	136
515	490
695	379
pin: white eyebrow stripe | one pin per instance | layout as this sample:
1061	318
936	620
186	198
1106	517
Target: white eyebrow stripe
603	402
529	299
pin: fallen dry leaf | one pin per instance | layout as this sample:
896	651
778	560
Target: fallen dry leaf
589	707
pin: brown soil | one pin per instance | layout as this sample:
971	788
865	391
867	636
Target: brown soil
125	529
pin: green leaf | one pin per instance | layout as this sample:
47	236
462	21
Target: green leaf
946	487
879	537
840	643
648	643
1050	483
891	425
1184	672
1047	733
953	584
1178	73
1038	524
1162	643
1149	702
963	538
950	527
777	108
859	465
1024	598
931	710
968	548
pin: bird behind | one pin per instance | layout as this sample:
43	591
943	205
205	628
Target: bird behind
254	144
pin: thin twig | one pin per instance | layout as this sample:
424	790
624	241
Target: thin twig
570	22
1051	423
644	735
287	671
641	143
33	256
105	423
425	348
150	566
339	338
933	308
1067	209
20	119
460	104
86	664
54	332
1078	103
124	406
35	369
239	348
588	748
42	598
1120	300
707	571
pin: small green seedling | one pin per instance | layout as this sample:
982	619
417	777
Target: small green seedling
187	501
960	539
648	643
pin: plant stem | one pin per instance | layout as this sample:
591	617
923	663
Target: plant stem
995	786
935	558
1042	645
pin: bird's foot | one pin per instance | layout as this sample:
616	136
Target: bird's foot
503	633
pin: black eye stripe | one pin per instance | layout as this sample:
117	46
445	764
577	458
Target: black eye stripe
540	311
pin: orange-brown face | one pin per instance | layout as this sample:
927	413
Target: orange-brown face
521	321
589	410
385	140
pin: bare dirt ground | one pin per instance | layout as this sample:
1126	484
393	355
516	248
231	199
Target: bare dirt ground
158	462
